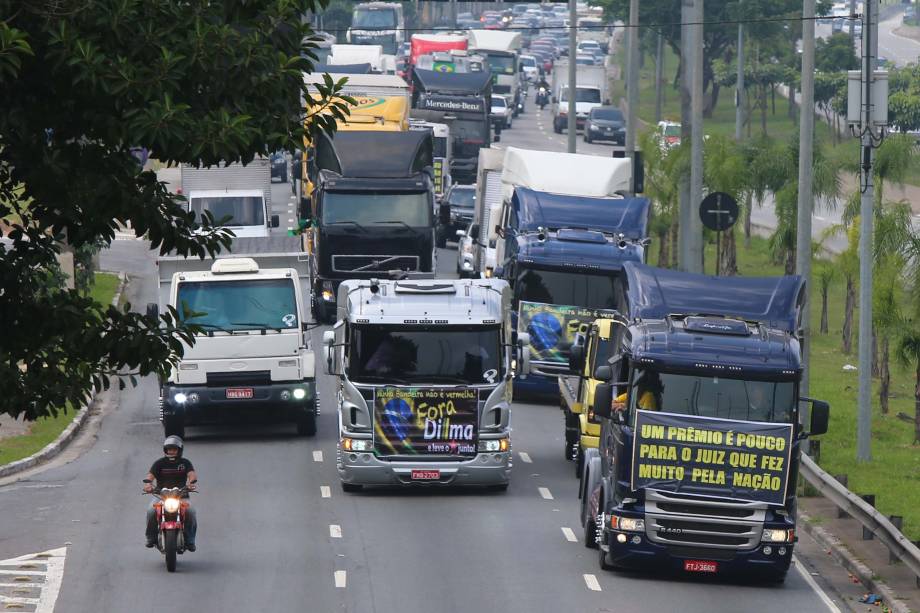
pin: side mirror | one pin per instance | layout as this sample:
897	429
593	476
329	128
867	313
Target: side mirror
474	232
523	340
328	342
461	233
500	231
603	398
820	416
576	358
275	221
603	373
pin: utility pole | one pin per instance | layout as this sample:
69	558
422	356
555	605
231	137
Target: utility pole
852	20
686	77
572	126
806	196
695	228
632	77
739	80
659	69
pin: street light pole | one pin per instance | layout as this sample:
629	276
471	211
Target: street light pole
572	126
632	77
739	80
695	228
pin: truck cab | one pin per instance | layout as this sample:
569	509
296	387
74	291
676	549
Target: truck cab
696	469
251	360
378	23
501	50
372	211
424	372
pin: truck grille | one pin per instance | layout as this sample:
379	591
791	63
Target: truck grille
371	263
685	522
235	379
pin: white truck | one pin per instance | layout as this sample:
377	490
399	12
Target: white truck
345	55
424	372
488	201
502	51
238	195
590	92
251	360
378	23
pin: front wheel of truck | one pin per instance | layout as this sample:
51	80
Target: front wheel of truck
602	561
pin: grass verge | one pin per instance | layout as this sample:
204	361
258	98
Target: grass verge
893	475
44	431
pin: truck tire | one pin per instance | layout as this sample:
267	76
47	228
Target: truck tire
557	127
306	425
602	561
590	535
351	487
579	463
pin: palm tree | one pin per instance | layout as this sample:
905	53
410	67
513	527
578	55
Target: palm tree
847	262
762	175
724	171
825	275
661	187
908	354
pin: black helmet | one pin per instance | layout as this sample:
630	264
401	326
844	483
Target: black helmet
173	441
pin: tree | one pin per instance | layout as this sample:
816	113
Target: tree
83	82
724	171
908	354
825	276
835	53
661	167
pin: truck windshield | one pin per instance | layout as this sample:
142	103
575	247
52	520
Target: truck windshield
409	355
239	210
574	288
373	19
720	397
369	208
501	64
469	136
228	306
582	95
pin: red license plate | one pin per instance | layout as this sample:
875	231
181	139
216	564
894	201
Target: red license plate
239	392
426	475
700	566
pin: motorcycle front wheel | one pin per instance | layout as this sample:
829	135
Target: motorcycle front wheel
170	546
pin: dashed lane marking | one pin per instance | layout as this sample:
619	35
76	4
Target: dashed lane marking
569	535
335	531
318	455
591	582
547	495
325	491
341	578
525	457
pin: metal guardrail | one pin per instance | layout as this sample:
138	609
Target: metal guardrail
863	512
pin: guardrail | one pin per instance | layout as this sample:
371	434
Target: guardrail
859	509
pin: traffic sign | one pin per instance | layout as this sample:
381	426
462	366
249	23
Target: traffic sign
718	211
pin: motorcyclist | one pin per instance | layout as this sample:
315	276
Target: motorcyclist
542	88
172	470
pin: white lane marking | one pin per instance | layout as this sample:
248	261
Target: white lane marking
831	606
53	561
525	457
547	495
335	531
11	602
591	582
341	578
318	455
325	491
569	535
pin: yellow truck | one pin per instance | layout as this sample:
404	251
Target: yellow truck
593	349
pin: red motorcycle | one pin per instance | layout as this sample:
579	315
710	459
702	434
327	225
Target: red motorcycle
170	509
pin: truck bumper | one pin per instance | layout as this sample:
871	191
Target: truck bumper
747	564
364	468
463	170
210	405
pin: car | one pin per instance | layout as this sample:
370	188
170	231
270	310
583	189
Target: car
519	9
461	199
544	59
530	68
466	239
668	135
280	166
585	60
606	123
502	112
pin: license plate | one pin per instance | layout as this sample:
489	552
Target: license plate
239	392
700	566
426	475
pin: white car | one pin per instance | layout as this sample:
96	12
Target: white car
530	68
465	240
501	112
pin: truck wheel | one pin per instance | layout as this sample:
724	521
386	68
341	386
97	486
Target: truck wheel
602	561
590	537
587	138
557	128
579	463
351	487
568	450
306	425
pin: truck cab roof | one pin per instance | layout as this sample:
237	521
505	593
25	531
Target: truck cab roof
425	302
375	155
733	326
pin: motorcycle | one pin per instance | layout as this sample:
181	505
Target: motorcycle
170	509
542	98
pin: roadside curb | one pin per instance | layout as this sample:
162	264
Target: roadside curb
58	445
849	561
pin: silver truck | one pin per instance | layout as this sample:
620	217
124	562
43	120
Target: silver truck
252	360
424	372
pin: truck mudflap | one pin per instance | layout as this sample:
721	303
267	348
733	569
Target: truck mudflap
288	401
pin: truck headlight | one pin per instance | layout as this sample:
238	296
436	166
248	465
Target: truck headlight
300	393
357	444
777	536
328	294
627	524
494	445
180	398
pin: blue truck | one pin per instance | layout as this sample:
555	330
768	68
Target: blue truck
701	427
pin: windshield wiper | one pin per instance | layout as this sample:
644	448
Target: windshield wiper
256	326
447	379
381	379
213	327
404	224
346	223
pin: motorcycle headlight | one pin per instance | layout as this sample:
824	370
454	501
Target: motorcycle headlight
171	505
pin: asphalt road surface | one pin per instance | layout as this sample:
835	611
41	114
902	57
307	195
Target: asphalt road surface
278	534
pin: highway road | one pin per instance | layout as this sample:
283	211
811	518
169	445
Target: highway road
277	534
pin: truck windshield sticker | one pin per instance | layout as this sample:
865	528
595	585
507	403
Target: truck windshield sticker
290	320
717	458
553	328
490	375
425	421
